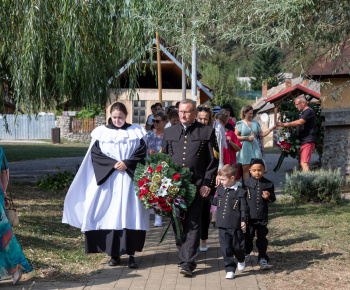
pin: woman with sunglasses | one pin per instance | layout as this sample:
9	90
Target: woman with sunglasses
204	116
154	143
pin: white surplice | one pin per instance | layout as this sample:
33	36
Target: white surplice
114	204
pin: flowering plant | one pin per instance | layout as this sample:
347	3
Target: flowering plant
284	140
163	186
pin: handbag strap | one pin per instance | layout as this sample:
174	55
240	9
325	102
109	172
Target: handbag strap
229	148
249	128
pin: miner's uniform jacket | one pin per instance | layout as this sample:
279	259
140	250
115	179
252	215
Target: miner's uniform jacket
231	207
195	148
257	205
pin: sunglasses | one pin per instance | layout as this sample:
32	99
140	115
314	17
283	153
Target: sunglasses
200	109
155	121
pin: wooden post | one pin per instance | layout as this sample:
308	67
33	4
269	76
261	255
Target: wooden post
275	113
159	69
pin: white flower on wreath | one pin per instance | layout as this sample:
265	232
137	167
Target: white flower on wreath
281	139
163	189
288	134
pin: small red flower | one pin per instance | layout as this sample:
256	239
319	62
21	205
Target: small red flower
159	168
176	176
150	170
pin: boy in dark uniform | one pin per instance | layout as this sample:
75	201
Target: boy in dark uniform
260	192
231	219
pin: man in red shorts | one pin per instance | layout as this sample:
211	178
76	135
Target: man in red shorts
305	129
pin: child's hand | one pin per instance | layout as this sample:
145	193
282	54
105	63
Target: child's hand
265	194
218	181
243	225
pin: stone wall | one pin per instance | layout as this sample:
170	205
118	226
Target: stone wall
64	123
337	140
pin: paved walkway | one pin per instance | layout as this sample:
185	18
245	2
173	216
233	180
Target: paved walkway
158	270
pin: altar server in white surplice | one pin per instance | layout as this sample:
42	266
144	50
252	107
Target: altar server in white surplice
101	200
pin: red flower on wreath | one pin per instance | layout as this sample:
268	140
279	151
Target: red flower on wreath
150	170
159	168
176	176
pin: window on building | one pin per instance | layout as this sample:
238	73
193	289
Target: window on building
139	113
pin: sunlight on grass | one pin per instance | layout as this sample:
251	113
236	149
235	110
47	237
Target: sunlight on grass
54	250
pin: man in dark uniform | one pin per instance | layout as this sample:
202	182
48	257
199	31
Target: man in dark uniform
193	145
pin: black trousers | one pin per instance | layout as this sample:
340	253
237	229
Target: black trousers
231	244
189	242
259	227
205	218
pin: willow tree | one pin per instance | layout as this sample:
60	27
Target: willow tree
51	50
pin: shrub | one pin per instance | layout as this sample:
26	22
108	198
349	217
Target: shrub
61	180
317	186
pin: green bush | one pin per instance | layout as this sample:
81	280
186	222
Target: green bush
317	186
90	112
61	180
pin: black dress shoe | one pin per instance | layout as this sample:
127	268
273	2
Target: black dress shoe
131	262
185	270
114	261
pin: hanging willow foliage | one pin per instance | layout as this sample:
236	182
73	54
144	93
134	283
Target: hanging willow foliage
73	49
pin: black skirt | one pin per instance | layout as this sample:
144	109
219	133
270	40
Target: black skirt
114	242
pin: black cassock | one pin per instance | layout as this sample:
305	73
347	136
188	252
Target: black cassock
115	242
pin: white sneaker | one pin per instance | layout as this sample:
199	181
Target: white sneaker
17	276
158	221
247	258
241	266
230	275
264	265
203	246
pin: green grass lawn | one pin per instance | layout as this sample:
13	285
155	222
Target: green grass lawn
19	152
55	251
309	246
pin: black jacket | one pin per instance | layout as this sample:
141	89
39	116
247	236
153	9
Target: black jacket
232	207
257	205
195	148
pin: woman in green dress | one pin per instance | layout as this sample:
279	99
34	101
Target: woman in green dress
247	131
12	259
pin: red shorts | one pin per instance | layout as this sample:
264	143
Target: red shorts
306	151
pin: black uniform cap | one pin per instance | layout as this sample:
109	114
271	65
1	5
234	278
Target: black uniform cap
257	161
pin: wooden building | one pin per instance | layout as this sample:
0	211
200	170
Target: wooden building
335	90
147	92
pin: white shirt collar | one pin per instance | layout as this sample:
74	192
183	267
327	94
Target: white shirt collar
235	187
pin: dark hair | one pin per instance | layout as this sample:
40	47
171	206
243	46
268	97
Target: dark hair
158	105
257	161
160	114
118	106
207	109
177	104
229	107
221	116
152	107
245	110
228	170
110	121
173	114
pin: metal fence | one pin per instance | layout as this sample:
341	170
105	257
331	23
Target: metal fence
27	127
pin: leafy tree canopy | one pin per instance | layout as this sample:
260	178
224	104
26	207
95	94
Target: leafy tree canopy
73	49
266	67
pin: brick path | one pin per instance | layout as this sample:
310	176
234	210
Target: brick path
158	270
